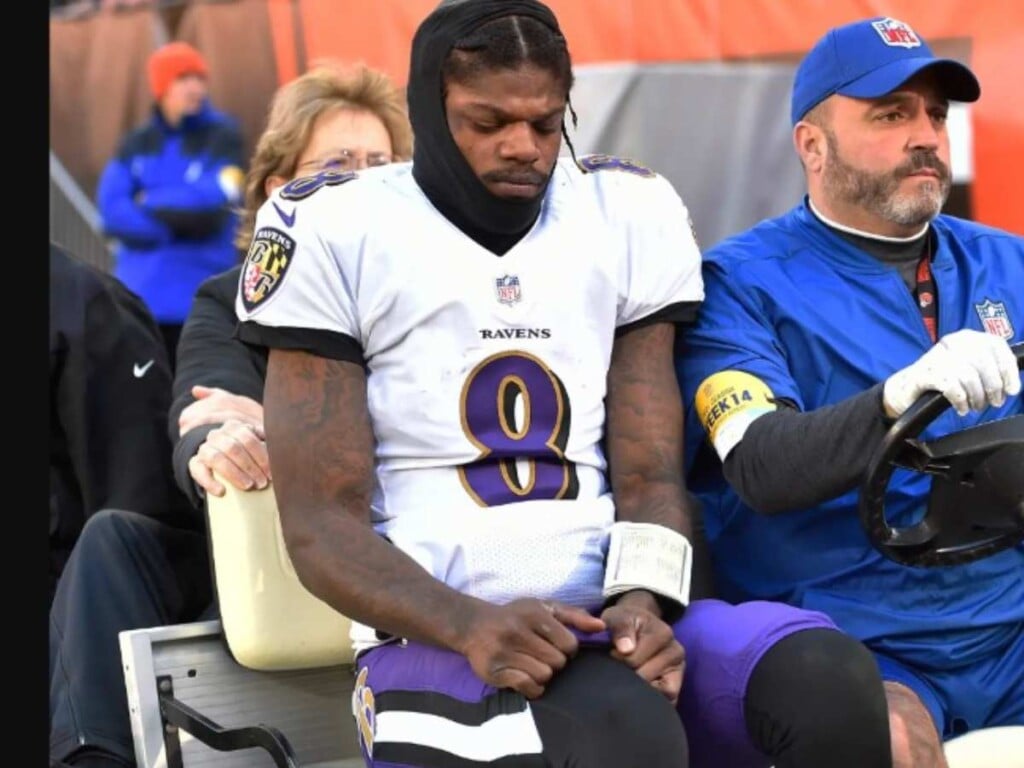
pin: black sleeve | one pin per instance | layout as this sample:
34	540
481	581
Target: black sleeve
187	447
192	224
209	354
789	460
110	393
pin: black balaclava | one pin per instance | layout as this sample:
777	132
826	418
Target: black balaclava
438	165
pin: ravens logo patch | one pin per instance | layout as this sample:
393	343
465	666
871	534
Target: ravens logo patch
267	262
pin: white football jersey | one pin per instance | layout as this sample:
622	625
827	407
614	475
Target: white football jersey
486	375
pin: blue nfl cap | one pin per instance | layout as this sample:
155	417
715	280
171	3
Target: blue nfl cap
870	58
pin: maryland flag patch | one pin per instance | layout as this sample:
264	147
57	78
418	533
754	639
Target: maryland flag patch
267	262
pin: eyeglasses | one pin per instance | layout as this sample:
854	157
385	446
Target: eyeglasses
348	160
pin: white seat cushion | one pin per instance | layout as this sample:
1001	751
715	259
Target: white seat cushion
1001	747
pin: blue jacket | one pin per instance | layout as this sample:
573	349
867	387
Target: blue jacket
818	320
169	198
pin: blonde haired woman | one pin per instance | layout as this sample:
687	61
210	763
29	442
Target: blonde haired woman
332	117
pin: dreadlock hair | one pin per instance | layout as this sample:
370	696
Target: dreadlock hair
509	42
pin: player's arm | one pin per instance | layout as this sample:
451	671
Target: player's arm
660	287
645	437
322	450
645	431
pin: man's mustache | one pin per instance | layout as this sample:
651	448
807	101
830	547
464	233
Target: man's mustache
921	160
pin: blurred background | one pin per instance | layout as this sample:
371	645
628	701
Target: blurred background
696	89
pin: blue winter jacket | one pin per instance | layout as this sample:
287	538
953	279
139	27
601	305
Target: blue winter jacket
169	198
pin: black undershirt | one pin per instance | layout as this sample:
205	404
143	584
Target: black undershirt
902	255
790	460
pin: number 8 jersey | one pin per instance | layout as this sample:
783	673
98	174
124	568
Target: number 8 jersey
486	375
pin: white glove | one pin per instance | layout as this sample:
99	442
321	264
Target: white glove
971	369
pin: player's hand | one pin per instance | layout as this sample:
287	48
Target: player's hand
646	643
237	451
970	368
521	645
217	406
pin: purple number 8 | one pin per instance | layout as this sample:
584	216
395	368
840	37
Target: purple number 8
538	436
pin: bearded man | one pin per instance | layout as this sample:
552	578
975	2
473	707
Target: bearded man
820	328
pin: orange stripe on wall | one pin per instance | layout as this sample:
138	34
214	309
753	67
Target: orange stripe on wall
378	33
998	116
650	31
282	35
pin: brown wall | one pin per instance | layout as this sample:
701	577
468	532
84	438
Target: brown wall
98	89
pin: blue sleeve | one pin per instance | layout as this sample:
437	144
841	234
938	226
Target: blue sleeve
121	216
217	187
733	332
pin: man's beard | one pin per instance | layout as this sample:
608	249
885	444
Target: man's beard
879	193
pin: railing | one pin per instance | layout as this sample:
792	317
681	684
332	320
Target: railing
74	221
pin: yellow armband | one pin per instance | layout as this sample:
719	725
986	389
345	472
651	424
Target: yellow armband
727	403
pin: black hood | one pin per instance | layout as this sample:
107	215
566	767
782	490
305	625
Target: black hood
438	166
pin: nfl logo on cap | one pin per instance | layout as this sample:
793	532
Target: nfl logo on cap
896	33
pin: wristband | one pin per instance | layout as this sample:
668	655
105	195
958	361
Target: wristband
650	557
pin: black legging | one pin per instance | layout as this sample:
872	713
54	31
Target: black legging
816	699
629	724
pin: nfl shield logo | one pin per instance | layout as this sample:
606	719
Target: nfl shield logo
896	33
995	318
507	288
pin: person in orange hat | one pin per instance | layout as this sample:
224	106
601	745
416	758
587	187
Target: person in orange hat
178	75
168	197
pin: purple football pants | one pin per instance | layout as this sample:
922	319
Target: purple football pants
723	644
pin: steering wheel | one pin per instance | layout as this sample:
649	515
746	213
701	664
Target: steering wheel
976	504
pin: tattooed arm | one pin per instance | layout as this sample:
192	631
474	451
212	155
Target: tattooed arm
321	446
645	444
645	430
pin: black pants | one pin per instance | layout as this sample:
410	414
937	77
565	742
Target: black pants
127	571
815	699
598	713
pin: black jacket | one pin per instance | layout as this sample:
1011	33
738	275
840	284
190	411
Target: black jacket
209	354
110	390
